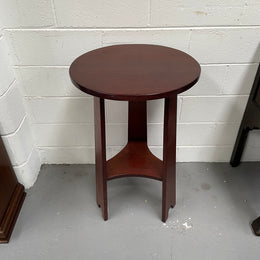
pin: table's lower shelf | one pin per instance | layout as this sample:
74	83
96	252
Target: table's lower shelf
135	160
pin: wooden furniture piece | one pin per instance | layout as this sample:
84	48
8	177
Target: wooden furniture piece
135	73
250	121
11	196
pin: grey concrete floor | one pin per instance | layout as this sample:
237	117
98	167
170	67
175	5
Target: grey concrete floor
215	206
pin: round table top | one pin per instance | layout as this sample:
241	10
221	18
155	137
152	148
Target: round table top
134	72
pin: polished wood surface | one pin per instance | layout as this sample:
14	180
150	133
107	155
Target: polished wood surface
169	156
134	72
100	151
7	185
137	125
11	196
135	160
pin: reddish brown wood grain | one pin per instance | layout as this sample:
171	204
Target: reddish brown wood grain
11	196
100	151
136	73
169	156
7	184
137	122
135	160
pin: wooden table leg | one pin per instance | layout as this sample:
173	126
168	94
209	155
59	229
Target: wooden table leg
169	157
100	151
137	126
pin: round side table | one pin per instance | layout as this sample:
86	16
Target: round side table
135	73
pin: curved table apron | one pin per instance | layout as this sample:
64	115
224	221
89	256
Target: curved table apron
135	73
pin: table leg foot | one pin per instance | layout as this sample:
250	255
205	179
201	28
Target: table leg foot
165	209
104	213
256	226
104	210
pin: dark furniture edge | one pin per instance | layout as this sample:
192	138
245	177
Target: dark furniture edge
8	222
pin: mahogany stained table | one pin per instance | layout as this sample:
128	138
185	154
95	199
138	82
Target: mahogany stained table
135	73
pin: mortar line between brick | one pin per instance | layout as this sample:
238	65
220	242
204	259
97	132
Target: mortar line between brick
232	63
70	146
9	87
243	12
189	40
85	146
133	28
17	129
40	66
215	96
83	124
152	146
149	12
206	146
67	66
125	124
180	100
225	81
102	38
54	13
26	161
58	97
90	98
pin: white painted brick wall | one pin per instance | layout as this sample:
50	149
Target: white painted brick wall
15	129
176	38
215	80
213	109
112	13
46	82
239	79
28	171
223	35
26	13
225	45
6	73
19	144
51	47
11	110
60	110
195	13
